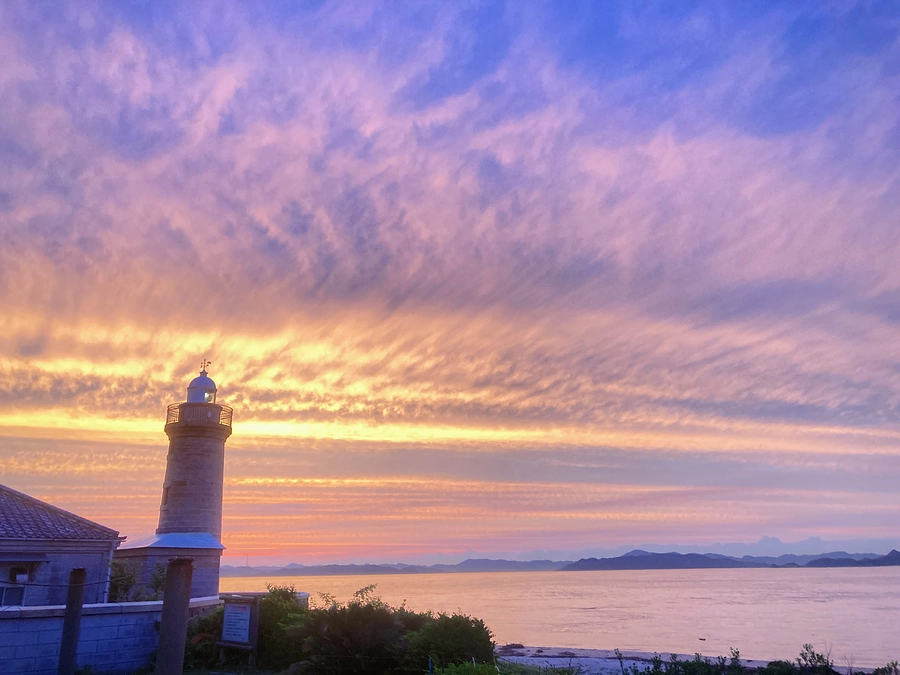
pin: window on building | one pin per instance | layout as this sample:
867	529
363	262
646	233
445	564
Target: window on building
12	596
18	575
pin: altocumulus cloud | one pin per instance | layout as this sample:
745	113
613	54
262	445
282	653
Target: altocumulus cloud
531	235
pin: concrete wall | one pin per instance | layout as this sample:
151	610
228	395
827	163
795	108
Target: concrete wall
115	638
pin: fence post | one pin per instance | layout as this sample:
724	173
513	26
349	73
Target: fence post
175	610
68	646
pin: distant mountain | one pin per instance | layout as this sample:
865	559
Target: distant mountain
890	560
295	570
485	565
632	560
641	560
471	565
804	559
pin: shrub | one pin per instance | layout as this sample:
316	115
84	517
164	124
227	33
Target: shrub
201	651
777	668
523	669
449	639
893	668
279	614
811	662
359	637
469	669
123	586
363	636
122	578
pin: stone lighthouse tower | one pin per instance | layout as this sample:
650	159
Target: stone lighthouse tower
190	510
192	490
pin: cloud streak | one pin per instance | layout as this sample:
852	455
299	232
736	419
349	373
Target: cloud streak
476	225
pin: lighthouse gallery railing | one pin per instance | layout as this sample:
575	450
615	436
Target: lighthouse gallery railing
208	413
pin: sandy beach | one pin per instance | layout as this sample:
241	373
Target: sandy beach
602	661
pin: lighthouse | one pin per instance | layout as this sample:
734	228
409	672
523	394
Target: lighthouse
192	490
190	509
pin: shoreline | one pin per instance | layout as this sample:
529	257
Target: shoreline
605	661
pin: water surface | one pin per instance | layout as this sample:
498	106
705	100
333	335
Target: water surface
765	613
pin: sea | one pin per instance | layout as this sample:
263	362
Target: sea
852	615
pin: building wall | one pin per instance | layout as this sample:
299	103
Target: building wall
205	580
49	581
115	638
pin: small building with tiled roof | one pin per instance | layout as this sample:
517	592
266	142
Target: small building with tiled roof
40	544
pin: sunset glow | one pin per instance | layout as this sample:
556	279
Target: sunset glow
476	278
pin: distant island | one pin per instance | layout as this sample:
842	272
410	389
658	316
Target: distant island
471	565
644	560
633	560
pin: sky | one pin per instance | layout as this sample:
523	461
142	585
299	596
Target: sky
524	278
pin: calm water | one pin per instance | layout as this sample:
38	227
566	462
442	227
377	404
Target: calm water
766	613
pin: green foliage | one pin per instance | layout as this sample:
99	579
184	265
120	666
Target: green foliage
449	640
893	668
123	586
777	668
523	669
157	583
280	615
201	651
122	578
811	662
504	669
468	669
362	636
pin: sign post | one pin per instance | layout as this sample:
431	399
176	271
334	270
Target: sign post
240	625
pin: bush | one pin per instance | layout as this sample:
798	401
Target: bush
279	614
359	637
122	579
203	633
893	668
363	636
507	669
449	640
123	586
366	635
811	662
777	668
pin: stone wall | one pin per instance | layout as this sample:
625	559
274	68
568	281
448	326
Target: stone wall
115	637
192	489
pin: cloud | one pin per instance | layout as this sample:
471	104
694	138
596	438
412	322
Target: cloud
633	229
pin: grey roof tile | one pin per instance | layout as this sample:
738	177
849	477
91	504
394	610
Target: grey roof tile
24	517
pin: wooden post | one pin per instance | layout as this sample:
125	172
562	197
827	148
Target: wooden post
175	611
68	647
254	633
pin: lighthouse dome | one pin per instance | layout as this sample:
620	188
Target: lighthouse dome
201	389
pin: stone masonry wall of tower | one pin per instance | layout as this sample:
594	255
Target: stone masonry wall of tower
192	490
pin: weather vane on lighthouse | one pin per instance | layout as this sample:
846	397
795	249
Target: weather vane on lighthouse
203	365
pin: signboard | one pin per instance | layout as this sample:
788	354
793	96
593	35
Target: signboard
236	623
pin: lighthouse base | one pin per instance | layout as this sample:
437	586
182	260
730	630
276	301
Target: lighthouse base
149	558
